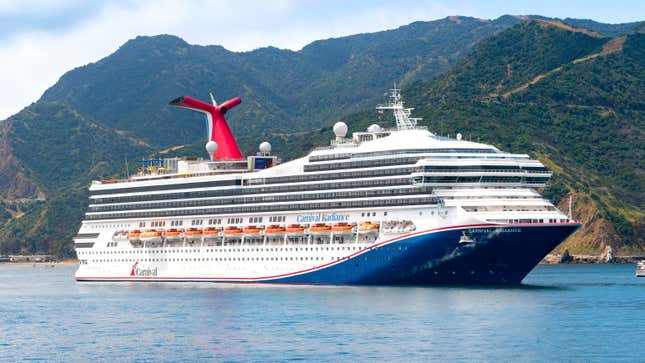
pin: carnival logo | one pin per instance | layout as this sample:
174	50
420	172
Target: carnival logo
138	271
309	218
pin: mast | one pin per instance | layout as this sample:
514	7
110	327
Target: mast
401	114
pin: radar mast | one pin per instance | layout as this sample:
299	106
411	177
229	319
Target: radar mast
401	114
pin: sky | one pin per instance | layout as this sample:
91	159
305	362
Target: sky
40	40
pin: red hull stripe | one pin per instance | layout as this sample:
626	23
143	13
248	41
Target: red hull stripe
289	274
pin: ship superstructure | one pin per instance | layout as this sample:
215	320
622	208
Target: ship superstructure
384	206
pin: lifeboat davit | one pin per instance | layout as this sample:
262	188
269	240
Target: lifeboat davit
342	228
134	235
275	230
211	233
295	230
320	228
150	235
172	234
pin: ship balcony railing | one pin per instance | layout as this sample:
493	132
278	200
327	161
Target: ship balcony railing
457	171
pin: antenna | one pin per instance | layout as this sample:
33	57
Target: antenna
570	206
212	99
401	114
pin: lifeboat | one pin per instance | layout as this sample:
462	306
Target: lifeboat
342	228
134	235
193	234
295	230
252	230
232	231
368	227
150	235
172	234
320	228
211	232
275	230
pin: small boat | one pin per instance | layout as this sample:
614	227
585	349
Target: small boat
342	228
232	230
193	234
275	230
211	233
368	227
172	234
640	269
320	228
295	230
466	238
134	235
150	235
251	230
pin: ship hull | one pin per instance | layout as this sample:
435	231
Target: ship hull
494	254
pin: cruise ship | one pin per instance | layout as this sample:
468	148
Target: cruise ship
397	205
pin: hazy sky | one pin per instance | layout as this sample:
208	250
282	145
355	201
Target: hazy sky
42	39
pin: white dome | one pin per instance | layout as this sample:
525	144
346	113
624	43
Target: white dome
340	129
265	148
374	128
211	147
458	136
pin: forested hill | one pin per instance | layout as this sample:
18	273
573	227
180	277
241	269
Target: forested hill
98	116
573	99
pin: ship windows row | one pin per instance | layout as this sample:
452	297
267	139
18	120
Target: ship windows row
363	164
270	208
342	156
209	184
480	179
483	168
259	190
331	176
265	199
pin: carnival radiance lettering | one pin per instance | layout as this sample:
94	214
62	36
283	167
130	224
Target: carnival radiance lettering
150	271
309	218
498	230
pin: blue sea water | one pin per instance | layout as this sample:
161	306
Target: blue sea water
561	313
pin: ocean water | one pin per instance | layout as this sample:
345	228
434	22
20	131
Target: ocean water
562	313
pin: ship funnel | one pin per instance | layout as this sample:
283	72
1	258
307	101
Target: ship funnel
225	147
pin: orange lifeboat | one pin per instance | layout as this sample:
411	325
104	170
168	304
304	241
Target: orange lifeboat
320	228
295	229
150	235
232	230
172	234
275	229
342	228
134	235
369	227
251	230
193	234
211	232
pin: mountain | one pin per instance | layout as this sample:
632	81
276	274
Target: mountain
575	99
102	116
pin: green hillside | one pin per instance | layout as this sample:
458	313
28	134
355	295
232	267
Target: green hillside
579	108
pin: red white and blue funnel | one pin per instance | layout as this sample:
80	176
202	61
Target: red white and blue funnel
218	131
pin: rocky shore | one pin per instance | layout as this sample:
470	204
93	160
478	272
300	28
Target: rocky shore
607	256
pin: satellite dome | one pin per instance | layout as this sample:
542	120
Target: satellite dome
374	128
265	148
211	147
340	129
458	136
